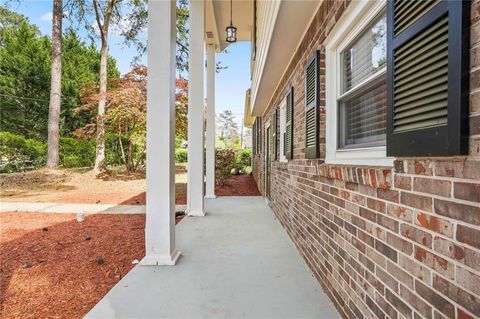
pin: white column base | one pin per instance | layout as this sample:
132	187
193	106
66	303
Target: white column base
210	196
191	213
160	260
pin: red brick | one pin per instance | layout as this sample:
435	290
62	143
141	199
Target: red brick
419	167
468	280
467	191
475	97
386	250
475	79
464	255
468	236
437	263
466	213
377	205
386	307
475	123
435	224
368	214
457	294
388	280
388	195
461	314
415	268
432	186
403	182
444	306
400	212
401	306
399	274
401	244
416	235
387	222
412	299
398	166
416	201
458	168
375	309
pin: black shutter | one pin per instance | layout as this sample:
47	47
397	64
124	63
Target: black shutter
259	135
254	138
427	77
274	134
311	107
289	126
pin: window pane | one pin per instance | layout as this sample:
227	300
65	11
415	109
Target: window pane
366	55
363	119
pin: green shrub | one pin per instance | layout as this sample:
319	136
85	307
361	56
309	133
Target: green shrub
243	160
181	155
76	153
224	164
18	153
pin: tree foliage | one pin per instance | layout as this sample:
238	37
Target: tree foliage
126	112
228	136
25	77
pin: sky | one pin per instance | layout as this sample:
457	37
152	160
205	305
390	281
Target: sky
231	83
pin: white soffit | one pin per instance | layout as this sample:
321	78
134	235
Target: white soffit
294	17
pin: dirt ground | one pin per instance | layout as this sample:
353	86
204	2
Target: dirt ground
73	186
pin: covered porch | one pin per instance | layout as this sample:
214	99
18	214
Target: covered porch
236	263
229	258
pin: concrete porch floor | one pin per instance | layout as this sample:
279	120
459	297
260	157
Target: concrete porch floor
237	262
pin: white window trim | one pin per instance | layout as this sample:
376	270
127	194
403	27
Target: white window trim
283	127
265	159
353	21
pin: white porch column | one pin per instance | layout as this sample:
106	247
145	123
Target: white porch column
160	210
210	142
196	101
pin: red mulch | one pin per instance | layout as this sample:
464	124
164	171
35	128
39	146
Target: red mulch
240	185
53	272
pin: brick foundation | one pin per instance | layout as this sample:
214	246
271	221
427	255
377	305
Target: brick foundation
401	242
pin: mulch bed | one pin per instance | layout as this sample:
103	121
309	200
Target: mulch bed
238	185
53	266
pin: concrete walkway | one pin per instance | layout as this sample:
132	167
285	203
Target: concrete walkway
75	208
237	262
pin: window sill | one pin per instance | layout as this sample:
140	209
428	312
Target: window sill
371	156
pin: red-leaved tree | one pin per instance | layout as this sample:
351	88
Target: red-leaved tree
126	113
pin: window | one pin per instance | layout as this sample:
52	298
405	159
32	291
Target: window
363	99
356	91
283	118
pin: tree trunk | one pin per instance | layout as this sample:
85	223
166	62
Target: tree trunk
55	87
100	151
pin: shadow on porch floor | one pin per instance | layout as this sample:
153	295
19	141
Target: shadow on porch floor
237	262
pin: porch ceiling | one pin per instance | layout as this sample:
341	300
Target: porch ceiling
217	18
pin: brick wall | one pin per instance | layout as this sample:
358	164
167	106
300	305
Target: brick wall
401	242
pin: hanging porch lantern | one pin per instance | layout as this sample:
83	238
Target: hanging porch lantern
231	30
